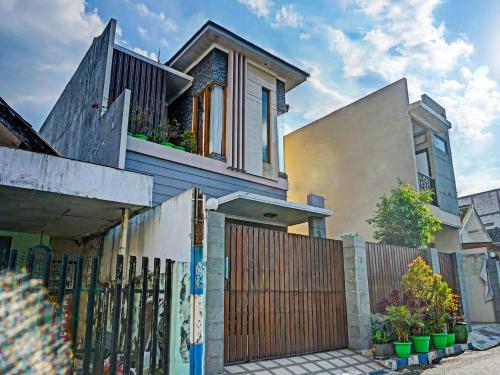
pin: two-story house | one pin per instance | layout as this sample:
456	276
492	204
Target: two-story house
356	155
226	91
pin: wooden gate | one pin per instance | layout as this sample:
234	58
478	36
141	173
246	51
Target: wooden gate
284	294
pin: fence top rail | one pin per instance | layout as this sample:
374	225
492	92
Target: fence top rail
388	247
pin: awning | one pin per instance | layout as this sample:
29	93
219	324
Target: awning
254	207
64	197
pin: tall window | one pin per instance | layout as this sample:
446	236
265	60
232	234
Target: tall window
208	119
266	125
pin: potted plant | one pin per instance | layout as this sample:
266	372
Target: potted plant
188	141
139	120
461	332
401	320
440	299
454	316
420	337
382	336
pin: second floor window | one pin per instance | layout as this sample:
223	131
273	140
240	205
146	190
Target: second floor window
208	119
266	125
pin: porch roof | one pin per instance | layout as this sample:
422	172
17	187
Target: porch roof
264	209
64	197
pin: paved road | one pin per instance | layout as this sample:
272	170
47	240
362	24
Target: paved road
469	363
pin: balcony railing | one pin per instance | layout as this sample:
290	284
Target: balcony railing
428	183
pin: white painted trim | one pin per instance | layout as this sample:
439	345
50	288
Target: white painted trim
124	129
198	161
314	211
152	62
107	70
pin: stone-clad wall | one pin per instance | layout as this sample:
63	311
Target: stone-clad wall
213	67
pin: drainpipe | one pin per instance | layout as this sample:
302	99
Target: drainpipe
123	249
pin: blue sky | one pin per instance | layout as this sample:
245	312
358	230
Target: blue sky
447	49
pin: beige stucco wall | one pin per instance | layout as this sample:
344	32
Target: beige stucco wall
448	239
480	311
352	157
255	81
474	231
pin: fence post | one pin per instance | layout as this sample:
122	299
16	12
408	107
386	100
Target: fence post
357	294
459	259
215	273
317	225
433	256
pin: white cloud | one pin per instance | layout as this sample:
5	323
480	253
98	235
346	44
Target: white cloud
143	52
260	7
43	42
481	179
143	32
167	23
287	16
305	36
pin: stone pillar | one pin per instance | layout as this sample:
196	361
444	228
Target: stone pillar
433	257
357	294
214	320
317	225
459	259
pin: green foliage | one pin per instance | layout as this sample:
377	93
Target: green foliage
381	329
139	119
404	218
441	300
401	320
188	141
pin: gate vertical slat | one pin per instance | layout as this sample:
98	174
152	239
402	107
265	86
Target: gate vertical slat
30	262
89	319
46	269
227	294
130	314
115	323
167	316
142	315
102	318
62	282
76	300
256	293
154	325
262	295
12	260
250	293
244	295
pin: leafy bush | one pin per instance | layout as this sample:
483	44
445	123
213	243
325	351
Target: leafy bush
405	218
401	320
188	141
441	300
381	329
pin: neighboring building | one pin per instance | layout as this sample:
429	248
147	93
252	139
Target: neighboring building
473	233
356	155
487	205
228	91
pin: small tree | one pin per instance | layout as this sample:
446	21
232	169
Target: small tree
404	218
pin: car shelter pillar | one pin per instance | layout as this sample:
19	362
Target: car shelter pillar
356	291
317	225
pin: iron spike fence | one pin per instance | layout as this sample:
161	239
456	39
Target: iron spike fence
122	326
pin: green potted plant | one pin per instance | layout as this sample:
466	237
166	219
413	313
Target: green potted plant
420	337
454	316
188	141
441	296
461	332
139	121
382	336
401	320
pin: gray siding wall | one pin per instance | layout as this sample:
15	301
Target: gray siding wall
172	178
74	126
445	179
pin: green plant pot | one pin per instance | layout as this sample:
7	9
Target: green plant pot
180	148
141	136
168	144
439	340
420	343
450	339
461	333
403	349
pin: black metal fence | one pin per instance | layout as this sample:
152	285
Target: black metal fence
122	326
428	183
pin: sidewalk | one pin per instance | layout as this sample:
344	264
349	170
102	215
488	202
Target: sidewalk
484	335
336	362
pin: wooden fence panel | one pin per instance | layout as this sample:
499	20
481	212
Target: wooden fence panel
285	294
447	265
386	265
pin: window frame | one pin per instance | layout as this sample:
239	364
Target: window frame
445	143
267	159
206	113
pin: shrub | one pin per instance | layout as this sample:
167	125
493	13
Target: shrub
417	285
381	329
440	301
401	320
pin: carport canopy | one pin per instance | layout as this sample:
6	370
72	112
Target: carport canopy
64	197
255	207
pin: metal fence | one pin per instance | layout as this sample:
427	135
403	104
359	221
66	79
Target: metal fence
386	265
114	327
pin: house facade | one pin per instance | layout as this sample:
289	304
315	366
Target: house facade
487	205
355	155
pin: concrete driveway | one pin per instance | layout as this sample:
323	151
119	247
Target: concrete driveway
336	362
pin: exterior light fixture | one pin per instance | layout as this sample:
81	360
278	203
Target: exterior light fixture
270	215
212	204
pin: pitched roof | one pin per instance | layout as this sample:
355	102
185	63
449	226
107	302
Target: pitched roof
462	211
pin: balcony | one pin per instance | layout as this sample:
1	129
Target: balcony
428	183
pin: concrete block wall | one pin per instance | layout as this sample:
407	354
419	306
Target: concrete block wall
214	319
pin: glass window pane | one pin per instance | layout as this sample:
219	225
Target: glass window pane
216	119
265	125
439	143
200	122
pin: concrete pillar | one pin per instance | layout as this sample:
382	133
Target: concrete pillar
214	320
433	256
491	267
317	225
459	259
357	294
